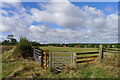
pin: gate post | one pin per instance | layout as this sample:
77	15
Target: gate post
50	60
45	60
42	58
101	53
74	59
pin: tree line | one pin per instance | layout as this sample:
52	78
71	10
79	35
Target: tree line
12	41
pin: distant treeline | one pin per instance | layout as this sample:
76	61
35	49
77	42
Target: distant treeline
78	45
12	41
82	45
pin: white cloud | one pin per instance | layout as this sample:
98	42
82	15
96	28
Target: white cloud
67	15
17	24
86	24
46	35
109	9
3	12
63	14
10	4
10	0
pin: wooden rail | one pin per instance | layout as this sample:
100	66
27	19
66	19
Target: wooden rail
112	52
87	53
111	49
86	57
84	61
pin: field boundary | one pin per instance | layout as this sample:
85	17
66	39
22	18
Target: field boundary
47	59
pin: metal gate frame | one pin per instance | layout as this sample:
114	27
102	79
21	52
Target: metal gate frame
52	62
38	56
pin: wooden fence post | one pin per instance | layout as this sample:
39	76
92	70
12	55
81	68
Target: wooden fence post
42	58
45	60
50	60
101	53
74	59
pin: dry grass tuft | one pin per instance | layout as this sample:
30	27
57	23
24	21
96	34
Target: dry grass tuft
18	71
6	48
111	64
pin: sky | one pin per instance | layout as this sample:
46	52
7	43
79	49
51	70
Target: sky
60	22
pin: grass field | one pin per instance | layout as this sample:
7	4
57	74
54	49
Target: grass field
24	68
68	49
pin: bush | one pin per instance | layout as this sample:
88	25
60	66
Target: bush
23	49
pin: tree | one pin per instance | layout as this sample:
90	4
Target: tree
13	41
5	42
35	43
62	44
10	37
23	49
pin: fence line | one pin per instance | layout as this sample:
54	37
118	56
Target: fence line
48	59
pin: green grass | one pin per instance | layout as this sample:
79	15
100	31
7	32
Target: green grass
28	68
68	49
94	72
11	66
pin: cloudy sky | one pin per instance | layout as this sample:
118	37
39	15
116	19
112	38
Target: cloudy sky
61	22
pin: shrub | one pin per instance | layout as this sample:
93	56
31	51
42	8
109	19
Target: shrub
23	49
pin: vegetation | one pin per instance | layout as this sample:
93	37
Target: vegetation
23	49
35	43
15	62
11	40
6	48
24	68
69	49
